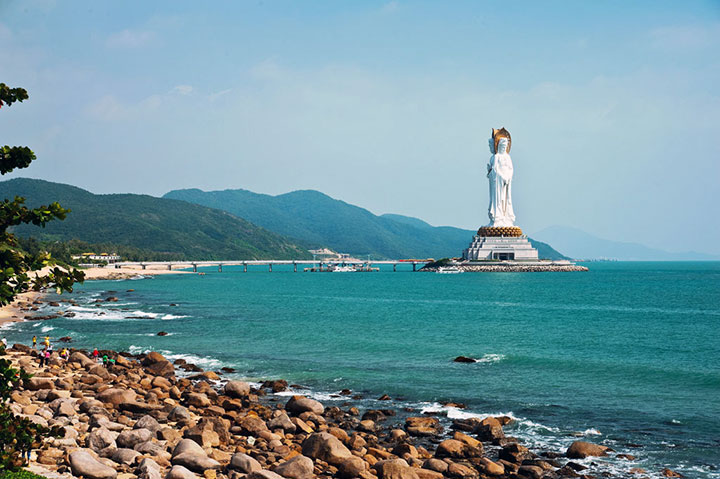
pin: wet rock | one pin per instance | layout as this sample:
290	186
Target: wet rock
156	364
464	359
299	467
670	473
300	404
456	449
83	464
237	389
423	426
326	447
531	472
489	467
276	386
162	333
514	453
582	449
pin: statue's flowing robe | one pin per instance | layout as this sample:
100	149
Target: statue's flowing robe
501	172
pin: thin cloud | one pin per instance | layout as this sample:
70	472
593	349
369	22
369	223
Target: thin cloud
130	39
686	36
182	89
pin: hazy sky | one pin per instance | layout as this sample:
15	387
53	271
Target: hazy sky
614	106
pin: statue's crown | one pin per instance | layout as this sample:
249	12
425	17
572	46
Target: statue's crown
501	133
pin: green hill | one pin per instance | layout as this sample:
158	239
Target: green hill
170	229
320	220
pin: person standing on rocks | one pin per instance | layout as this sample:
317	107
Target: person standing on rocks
34	341
95	354
47	341
105	360
48	352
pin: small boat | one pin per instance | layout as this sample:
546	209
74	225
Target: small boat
449	270
344	269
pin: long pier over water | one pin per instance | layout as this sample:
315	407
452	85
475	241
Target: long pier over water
269	263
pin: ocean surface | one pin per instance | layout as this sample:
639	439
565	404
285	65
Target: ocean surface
627	354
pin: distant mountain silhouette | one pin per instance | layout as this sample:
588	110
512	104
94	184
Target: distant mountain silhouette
581	245
319	220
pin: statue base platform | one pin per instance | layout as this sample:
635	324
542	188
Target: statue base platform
502	248
512	231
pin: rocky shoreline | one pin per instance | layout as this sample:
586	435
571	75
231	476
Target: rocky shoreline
148	418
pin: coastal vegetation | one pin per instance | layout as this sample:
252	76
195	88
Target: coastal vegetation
19	434
320	220
145	227
16	264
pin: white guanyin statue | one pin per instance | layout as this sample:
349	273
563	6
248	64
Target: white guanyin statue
500	173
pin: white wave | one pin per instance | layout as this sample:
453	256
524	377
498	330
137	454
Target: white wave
203	362
138	349
591	432
46	329
318	396
491	358
173	316
675	421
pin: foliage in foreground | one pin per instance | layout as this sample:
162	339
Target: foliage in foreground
17	265
17	434
20	474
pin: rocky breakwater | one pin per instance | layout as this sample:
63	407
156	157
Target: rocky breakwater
514	268
140	420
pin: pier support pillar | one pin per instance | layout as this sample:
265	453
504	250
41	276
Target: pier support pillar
143	266
395	268
194	268
414	266
244	267
294	267
270	264
219	268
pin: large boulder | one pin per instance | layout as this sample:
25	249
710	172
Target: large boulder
180	472
78	357
125	456
456	449
156	364
352	467
83	464
582	449
179	413
326	447
149	423
489	467
300	404
100	438
299	467
36	384
189	454
237	389
130	438
423	426
116	396
263	475
394	469
244	463
149	469
283	422
252	425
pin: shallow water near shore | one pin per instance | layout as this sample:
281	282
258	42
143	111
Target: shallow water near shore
626	354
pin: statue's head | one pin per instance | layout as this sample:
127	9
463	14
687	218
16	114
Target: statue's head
503	145
497	135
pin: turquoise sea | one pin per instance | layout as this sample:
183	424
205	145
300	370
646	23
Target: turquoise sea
627	354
